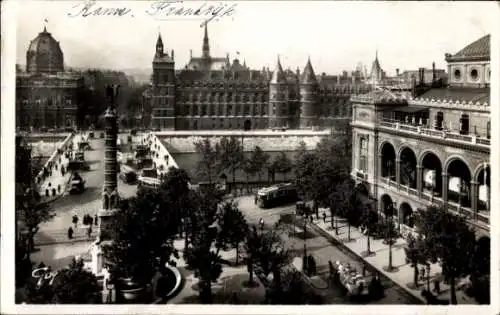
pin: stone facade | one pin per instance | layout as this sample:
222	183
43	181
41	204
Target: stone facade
215	93
431	147
46	96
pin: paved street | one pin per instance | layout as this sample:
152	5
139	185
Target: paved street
88	202
321	249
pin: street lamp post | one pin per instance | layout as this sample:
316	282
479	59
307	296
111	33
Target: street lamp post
336	223
390	228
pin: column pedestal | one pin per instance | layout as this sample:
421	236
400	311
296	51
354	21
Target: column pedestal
97	261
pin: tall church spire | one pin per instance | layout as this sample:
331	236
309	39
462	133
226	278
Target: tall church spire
206	46
159	45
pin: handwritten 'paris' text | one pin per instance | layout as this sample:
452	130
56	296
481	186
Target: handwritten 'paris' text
168	9
86	9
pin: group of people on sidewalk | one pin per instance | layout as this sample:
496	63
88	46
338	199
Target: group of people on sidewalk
87	221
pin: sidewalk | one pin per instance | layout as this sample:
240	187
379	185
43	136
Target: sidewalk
57	183
404	274
60	236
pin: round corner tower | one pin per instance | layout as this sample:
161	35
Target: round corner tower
308	97
278	98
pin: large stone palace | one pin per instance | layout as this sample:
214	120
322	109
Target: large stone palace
215	93
46	95
429	147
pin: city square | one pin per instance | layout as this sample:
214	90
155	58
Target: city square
221	182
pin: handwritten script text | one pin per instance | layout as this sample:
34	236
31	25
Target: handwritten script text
89	8
169	9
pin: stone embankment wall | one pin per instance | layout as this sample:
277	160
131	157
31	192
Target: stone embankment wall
184	142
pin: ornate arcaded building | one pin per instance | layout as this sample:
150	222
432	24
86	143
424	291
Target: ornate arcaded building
46	95
215	93
432	147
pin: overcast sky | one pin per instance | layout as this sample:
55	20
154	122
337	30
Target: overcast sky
336	35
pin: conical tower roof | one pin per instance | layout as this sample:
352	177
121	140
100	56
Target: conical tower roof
278	74
308	76
159	41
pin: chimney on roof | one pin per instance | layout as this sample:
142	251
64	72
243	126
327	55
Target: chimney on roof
172	54
191	54
414	85
397	72
433	73
421	76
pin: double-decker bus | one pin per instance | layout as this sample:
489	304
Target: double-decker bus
277	195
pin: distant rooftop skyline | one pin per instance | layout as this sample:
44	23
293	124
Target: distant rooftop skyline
335	35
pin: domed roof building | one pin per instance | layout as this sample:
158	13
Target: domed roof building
44	54
46	96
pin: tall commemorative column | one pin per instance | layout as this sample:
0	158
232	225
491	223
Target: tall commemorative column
110	197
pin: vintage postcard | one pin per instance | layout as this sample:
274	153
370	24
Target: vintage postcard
253	157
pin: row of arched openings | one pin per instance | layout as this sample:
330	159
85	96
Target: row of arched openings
459	177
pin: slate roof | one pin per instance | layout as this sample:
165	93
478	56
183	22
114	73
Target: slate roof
308	75
460	94
278	74
480	47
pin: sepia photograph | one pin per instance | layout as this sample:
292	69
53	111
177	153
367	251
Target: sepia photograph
256	153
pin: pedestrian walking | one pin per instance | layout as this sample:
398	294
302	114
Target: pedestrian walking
255	199
89	231
324	217
70	233
75	220
91	221
95	219
261	222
